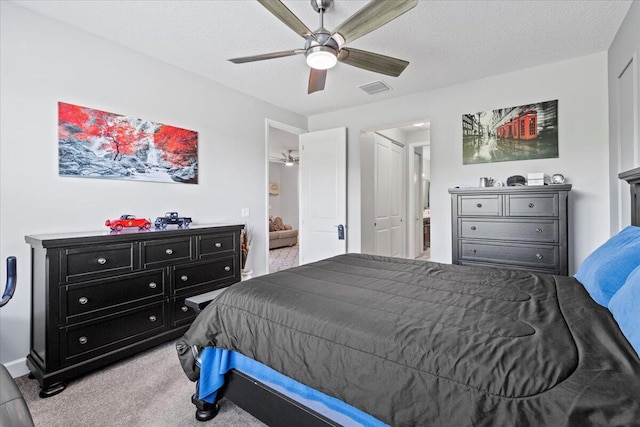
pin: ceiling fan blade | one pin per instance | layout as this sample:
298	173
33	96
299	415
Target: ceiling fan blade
372	61
374	15
316	80
282	12
266	56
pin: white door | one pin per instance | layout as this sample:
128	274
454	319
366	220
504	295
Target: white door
323	194
389	196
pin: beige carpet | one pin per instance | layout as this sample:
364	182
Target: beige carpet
148	389
283	258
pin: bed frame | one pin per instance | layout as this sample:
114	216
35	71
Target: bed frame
633	178
277	410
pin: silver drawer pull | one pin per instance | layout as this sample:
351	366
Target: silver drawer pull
227	268
218	245
473	228
102	261
153	285
538	230
184	308
473	251
169	251
83	300
479	205
83	340
184	277
531	205
153	318
539	256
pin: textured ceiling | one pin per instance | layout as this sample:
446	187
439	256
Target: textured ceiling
446	42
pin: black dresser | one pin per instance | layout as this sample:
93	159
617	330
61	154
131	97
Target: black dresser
99	297
512	227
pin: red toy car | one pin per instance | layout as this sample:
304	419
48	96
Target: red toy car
128	221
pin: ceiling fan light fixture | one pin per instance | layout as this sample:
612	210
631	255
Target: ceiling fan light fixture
288	163
321	57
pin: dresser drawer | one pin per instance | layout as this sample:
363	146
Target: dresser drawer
207	274
86	262
182	315
215	245
532	205
164	252
85	340
486	205
543	231
99	295
540	256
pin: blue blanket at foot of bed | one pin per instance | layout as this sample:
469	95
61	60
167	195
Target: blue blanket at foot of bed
215	363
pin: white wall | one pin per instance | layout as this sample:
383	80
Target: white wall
43	62
289	203
274	178
286	203
579	85
624	113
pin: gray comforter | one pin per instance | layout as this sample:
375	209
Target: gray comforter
425	344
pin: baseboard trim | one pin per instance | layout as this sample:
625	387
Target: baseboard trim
18	367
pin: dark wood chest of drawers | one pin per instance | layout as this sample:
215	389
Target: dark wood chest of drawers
100	297
513	227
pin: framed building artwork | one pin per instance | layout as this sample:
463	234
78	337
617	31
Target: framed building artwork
515	133
98	144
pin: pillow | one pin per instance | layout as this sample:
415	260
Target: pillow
278	225
604	271
625	307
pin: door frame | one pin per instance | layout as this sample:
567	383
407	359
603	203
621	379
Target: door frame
408	200
417	244
411	202
270	123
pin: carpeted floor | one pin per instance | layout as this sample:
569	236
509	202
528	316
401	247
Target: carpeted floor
283	258
146	390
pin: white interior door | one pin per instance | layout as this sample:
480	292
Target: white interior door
389	197
323	194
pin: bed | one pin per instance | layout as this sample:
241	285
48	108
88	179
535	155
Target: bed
398	342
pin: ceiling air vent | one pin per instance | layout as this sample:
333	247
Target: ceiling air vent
375	87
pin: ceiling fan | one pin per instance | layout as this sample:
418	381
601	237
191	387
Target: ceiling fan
287	158
324	49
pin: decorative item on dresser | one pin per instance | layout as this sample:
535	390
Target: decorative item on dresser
99	297
514	227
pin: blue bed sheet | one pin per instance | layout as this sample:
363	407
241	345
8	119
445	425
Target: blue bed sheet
215	363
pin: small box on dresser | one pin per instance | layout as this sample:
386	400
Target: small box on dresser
514	227
99	297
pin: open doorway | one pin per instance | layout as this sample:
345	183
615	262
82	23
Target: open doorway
283	196
422	202
419	203
395	172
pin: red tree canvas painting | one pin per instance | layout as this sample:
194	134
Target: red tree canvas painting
99	144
